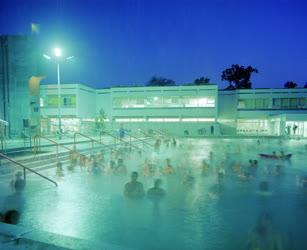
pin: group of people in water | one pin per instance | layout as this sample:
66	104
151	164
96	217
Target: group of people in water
116	164
168	159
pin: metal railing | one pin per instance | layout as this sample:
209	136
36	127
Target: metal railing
93	141
140	140
29	169
3	134
116	138
37	144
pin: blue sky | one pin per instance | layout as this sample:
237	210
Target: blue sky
127	42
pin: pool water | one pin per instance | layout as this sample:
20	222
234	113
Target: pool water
200	216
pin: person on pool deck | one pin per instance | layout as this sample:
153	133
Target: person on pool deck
134	189
156	191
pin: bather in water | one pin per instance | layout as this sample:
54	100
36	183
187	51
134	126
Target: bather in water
134	189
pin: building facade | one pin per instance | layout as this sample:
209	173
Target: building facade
19	100
179	110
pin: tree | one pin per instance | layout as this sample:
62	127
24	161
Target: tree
238	76
290	85
100	119
202	81
305	86
160	81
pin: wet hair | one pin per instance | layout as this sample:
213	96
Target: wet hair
264	186
264	216
11	217
157	182
134	173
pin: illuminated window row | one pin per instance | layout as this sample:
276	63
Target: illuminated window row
52	101
164	119
163	102
275	103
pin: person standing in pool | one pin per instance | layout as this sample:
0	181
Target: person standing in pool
134	189
168	169
156	191
18	184
263	236
59	169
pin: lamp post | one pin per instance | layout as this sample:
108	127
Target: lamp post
58	56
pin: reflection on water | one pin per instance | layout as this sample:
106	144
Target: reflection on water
217	206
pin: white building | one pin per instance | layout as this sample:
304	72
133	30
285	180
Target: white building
182	110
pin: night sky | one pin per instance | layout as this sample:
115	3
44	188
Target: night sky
127	42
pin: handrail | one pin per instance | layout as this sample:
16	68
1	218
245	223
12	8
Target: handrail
143	141
37	144
26	168
146	134
53	141
93	140
104	132
161	133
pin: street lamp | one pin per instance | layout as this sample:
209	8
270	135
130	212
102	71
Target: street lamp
58	57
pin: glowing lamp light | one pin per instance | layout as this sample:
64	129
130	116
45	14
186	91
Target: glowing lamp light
57	52
47	57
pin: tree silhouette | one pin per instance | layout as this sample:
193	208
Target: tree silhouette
290	85
160	81
202	81
238	76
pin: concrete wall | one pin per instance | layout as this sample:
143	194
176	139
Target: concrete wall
18	62
86	102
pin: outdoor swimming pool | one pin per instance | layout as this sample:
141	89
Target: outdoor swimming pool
198	216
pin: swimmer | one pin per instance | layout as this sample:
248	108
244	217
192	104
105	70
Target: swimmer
146	168
156	191
220	175
11	217
188	179
264	189
157	145
111	168
245	176
90	163
17	183
82	161
277	171
74	157
121	168
301	181
237	168
168	169
134	189
96	167
59	169
263	236
204	167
